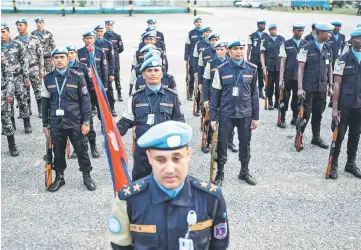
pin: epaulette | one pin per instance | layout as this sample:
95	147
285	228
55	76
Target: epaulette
17	42
343	57
171	90
83	64
134	188
138	91
207	187
307	45
251	64
223	64
76	73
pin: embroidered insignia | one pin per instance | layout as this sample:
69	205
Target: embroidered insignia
220	231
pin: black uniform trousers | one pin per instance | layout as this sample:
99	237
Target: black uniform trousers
290	85
118	87
94	100
244	138
273	86
191	78
315	104
260	75
80	144
141	168
350	118
110	95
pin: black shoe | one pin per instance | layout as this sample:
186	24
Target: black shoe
114	114
120	98
13	122
282	124
333	174
88	182
330	104
58	182
27	126
197	113
293	121
353	169
232	147
270	106
73	155
207	148
93	149
276	105
301	147
245	176
40	110
261	95
12	146
319	142
219	178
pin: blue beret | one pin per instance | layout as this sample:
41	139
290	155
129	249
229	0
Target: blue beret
149	34
261	21
21	20
59	51
358	25
314	25
221	44
272	26
70	47
4	26
150	28
213	35
89	33
300	26
208	28
324	26
356	33
151	62
197	18
154	53
151	20
169	135
100	26
39	19
109	21
147	48
336	23
236	43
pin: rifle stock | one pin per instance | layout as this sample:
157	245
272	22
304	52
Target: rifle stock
67	149
195	93
213	163
205	128
48	158
280	106
300	124
332	150
265	97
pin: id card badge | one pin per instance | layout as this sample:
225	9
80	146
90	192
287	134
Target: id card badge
59	112
255	43
150	120
339	52
185	244
327	62
235	91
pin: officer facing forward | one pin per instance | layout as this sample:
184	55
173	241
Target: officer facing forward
314	74
169	209
65	96
146	107
347	104
152	22
235	94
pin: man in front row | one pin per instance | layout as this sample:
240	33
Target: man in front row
157	212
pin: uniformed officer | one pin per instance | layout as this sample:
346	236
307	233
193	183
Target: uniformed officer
235	94
107	47
211	66
15	73
314	74
65	96
200	46
270	49
83	68
288	72
118	47
312	36
193	36
253	52
159	35
47	42
146	107
347	105
348	42
169	209
36	61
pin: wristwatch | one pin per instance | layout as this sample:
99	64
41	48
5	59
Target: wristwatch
86	123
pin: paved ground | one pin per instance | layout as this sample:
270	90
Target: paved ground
292	207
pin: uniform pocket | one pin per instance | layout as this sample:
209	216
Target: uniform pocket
145	241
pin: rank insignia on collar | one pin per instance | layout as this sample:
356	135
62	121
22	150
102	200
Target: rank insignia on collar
220	231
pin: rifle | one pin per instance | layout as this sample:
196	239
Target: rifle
196	93
67	149
265	98
300	125
214	155
48	158
281	105
331	156
187	79
134	139
204	127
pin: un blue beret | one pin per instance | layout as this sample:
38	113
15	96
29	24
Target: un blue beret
208	28
70	47
150	28
356	33
169	135
89	33
100	26
213	35
324	26
358	25
236	43
58	51
4	26
147	48
300	26
197	18
109	21
221	44
21	20
39	19
261	21
272	26
149	34
151	62
336	23
314	25
151	20
154	53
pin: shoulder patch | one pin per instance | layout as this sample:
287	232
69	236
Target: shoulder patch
134	188
171	90
207	187
138	91
222	65
251	64
76	72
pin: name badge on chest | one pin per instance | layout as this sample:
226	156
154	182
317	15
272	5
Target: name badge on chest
327	62
255	43
150	120
339	52
235	91
59	112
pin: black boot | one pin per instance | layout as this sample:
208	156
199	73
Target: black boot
40	112
120	98
270	105
220	175
198	113
261	95
276	104
73	155
244	174
207	148
319	142
114	114
29	104
58	182
88	182
232	147
12	146
190	96
351	166
27	125
93	149
330	104
334	174
13	122
282	124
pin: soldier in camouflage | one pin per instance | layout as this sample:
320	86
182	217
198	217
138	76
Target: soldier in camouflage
36	61
47	41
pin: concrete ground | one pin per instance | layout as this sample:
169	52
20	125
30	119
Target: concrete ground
292	207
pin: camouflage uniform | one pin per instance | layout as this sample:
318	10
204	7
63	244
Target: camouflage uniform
48	43
7	90
36	64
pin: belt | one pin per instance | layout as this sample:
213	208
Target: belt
32	64
17	74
